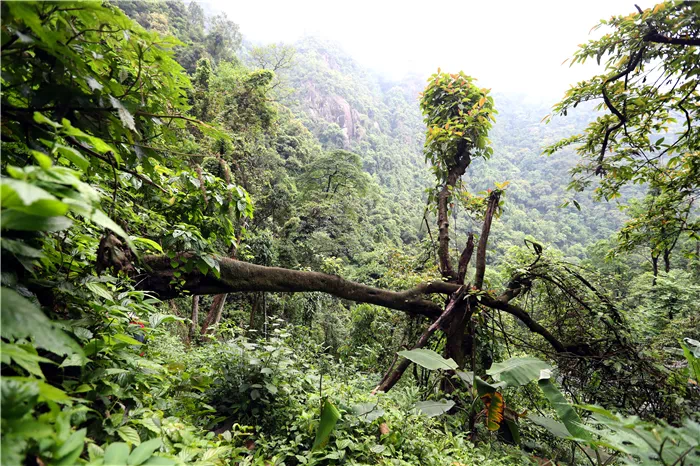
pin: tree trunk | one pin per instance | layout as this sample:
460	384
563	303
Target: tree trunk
254	310
157	276
457	345
239	276
455	304
214	313
667	260
195	319
655	268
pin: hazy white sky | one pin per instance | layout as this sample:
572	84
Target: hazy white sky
509	46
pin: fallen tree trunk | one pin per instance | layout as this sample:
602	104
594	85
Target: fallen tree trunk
167	277
238	276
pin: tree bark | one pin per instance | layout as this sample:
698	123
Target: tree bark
195	319
457	344
238	276
392	377
461	162
465	258
491	207
214	314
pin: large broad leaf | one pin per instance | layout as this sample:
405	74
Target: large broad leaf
71	448
429	359
116	454
435	408
518	371
143	452
20	318
21	221
514	430
329	417
693	360
368	412
483	387
18	193
468	377
494	410
556	428
129	435
566	413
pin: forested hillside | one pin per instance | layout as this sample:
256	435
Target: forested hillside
218	252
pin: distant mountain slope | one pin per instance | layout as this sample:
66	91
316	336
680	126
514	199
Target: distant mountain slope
346	106
349	107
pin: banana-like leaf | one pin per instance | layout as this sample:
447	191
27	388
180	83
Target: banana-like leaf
434	408
693	360
329	417
556	428
494	410
483	387
429	359
518	371
566	413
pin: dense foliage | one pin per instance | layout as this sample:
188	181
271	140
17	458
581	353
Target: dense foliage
222	253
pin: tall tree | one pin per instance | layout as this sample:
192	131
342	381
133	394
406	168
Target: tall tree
648	131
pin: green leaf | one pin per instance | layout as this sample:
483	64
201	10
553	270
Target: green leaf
556	428
143	452
20	318
41	119
44	208
21	221
483	387
566	413
42	159
693	361
27	360
429	359
518	371
434	408
156	319
598	410
75	441
99	290
468	377
18	396
116	454
18	192
50	393
329	417
147	242
124	115
104	221
20	248
129	435
368	412
514	430
127	339
159	461
74	156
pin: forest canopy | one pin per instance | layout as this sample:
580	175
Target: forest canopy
216	253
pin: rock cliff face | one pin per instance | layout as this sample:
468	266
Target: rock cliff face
333	90
333	108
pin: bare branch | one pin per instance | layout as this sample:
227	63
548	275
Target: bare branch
484	238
